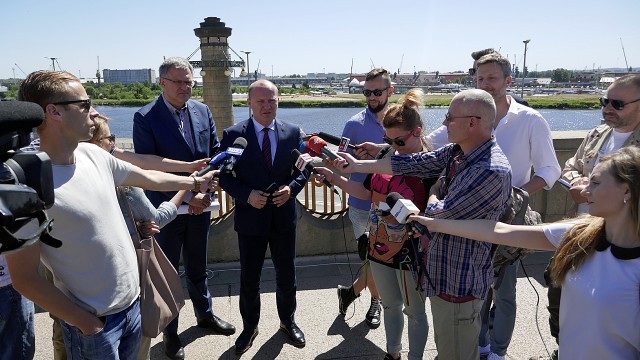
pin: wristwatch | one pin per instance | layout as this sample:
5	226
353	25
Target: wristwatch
196	185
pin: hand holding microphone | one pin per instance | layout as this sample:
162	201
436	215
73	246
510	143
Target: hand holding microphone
226	159
303	162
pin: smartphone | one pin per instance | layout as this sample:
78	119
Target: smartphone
270	190
564	183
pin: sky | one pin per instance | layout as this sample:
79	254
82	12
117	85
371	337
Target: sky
299	37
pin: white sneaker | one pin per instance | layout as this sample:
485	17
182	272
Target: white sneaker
494	356
484	350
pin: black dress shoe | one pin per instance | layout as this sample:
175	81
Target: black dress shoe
245	340
172	346
295	334
218	325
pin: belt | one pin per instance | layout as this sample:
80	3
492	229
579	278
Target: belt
456	299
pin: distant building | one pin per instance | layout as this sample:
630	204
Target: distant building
126	77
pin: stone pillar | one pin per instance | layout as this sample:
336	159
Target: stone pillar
216	86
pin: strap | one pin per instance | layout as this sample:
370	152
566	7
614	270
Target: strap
135	237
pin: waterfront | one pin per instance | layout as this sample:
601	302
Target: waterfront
331	120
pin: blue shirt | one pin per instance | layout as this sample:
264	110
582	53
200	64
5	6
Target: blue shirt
480	189
361	128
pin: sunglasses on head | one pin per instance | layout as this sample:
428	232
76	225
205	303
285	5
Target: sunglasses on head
84	104
616	104
399	142
376	92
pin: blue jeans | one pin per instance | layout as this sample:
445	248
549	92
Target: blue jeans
17	339
119	339
393	285
505	314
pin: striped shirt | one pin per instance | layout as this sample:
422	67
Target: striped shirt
480	189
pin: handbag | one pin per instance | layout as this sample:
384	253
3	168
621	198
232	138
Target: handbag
161	295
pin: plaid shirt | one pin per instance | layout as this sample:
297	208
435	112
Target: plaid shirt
479	190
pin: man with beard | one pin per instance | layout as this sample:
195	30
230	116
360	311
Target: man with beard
366	126
621	114
525	138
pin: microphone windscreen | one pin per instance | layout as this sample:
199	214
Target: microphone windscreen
17	115
316	144
393	198
240	143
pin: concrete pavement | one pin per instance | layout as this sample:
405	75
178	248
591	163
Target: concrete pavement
329	335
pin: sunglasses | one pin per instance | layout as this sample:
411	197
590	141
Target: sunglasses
399	142
84	104
112	138
376	92
616	104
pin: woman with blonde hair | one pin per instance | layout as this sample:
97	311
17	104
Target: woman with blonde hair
392	250
597	262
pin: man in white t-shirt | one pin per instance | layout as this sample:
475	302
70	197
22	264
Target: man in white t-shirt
96	282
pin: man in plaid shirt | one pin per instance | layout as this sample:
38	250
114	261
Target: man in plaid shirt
475	184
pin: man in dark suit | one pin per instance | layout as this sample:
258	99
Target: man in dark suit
176	127
264	188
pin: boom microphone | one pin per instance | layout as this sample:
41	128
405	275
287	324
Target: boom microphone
342	143
227	158
320	146
402	208
303	162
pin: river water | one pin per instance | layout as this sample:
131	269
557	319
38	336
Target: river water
332	120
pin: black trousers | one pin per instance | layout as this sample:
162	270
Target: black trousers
252	253
553	294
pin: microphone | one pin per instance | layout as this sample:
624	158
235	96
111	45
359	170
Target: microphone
320	146
303	162
402	208
226	158
564	183
305	149
342	143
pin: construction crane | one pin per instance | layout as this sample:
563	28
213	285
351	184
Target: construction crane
18	66
54	61
625	55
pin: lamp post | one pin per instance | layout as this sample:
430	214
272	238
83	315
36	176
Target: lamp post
248	76
524	67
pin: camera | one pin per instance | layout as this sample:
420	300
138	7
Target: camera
26	177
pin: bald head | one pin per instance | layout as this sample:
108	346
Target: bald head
479	103
264	84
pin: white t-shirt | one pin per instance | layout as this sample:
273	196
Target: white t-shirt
600	304
96	265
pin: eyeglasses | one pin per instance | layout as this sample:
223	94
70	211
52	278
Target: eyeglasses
84	104
187	83
448	117
616	104
399	142
112	138
376	92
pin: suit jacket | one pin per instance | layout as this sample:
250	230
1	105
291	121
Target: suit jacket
156	132
251	173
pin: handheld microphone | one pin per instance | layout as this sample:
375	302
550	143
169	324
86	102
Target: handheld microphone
320	146
227	158
402	208
305	149
565	184
341	142
303	162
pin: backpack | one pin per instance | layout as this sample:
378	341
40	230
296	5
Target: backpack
518	212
